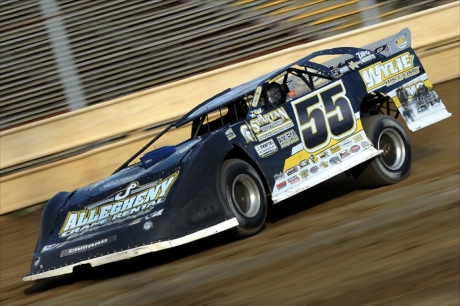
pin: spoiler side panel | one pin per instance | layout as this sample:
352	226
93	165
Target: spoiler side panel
408	85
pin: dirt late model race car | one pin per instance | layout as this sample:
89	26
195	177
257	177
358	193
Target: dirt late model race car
255	144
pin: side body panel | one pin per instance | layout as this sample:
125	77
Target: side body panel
307	140
313	137
155	207
403	78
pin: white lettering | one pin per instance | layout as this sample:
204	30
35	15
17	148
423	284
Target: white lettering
389	72
79	221
82	220
116	208
128	203
105	211
70	222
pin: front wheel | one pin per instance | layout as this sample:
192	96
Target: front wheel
393	165
244	193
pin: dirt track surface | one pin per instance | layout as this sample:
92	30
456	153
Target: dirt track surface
335	244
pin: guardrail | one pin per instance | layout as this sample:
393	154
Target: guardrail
435	37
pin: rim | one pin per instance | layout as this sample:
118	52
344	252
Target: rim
394	151
245	195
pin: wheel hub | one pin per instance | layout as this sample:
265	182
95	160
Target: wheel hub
245	195
394	151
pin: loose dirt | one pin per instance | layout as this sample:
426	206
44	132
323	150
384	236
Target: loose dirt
335	244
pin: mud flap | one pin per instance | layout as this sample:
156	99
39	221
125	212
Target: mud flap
418	103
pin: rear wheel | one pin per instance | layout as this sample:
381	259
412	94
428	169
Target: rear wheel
393	165
244	193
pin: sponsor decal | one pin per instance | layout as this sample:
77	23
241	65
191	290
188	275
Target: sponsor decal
89	246
401	42
389	72
267	125
154	214
147	225
314	158
304	163
415	98
352	65
338	72
385	50
347	143
336	149
402	76
287	138
324	154
247	133
266	148
129	206
230	134
314	169
294	179
354	149
256	98
123	194
357	138
53	246
304	173
365	56
279	176
344	69
292	170
365	144
335	160
281	185
324	164
344	154
255	112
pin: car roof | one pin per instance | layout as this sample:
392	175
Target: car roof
229	95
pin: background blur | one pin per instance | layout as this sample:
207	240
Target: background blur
62	55
334	244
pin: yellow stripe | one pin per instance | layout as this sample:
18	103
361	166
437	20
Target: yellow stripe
396	101
295	159
270	4
392	12
345	26
323	10
428	84
288	9
242	2
344	14
333	17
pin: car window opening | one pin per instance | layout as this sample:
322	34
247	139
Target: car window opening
221	117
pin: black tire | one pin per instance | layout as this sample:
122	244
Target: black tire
239	182
393	165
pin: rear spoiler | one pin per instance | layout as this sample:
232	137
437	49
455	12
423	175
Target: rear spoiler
386	47
391	44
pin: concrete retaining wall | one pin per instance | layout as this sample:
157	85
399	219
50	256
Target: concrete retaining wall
435	37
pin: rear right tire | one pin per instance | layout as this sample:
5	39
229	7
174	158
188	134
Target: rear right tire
393	165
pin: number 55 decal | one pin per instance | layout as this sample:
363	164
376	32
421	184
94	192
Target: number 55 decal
324	115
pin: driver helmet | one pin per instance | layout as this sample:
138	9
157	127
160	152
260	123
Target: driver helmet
276	94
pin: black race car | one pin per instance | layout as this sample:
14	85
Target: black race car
255	144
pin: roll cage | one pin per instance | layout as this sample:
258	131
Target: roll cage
237	104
